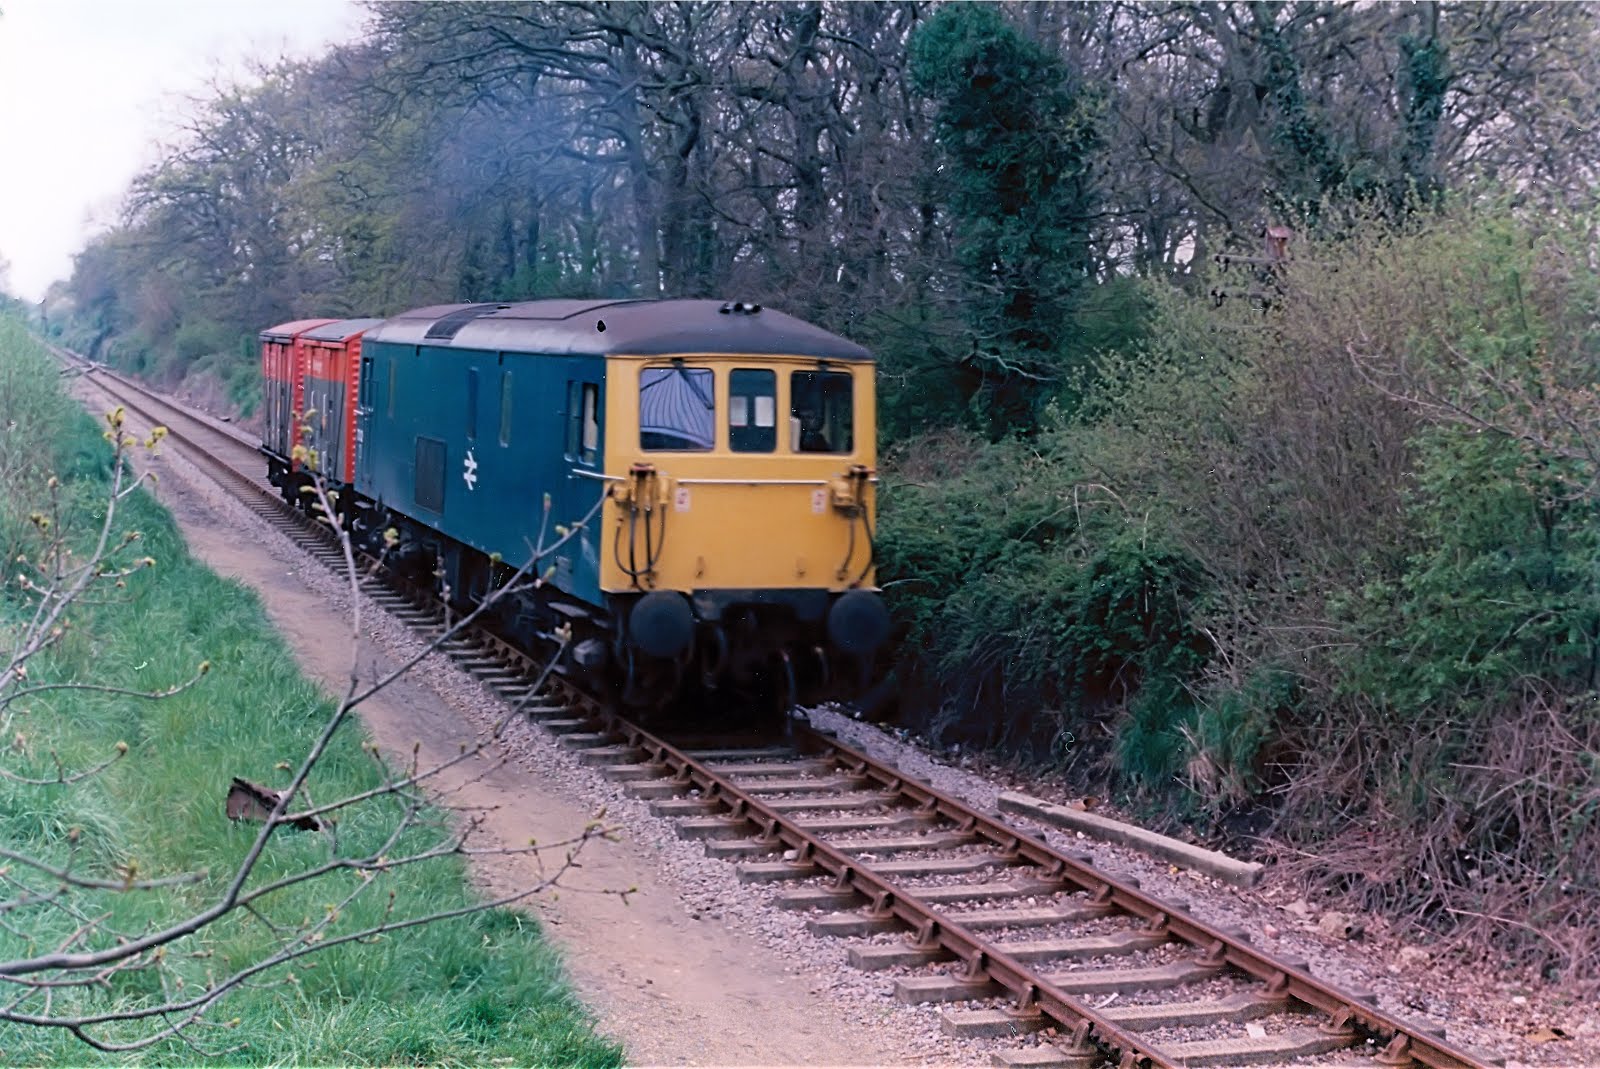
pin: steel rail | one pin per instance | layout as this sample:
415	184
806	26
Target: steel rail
1229	948
982	963
196	451
223	430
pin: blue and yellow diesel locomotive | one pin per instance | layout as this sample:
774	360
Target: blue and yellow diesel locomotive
695	477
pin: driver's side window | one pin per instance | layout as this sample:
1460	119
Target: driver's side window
583	421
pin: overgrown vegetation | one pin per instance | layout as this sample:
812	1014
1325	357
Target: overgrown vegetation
467	991
1334	555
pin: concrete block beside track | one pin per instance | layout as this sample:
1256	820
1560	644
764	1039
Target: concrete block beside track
1217	865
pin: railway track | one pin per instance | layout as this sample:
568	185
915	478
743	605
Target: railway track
225	453
1060	963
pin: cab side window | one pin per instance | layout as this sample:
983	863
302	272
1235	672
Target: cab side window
752	410
505	408
591	422
821	412
677	408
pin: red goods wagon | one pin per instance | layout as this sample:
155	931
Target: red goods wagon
283	380
332	374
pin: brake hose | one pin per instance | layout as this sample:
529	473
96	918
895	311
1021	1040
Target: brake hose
872	546
850	548
858	512
652	551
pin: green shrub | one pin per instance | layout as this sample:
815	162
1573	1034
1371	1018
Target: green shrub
1027	614
197	338
1231	735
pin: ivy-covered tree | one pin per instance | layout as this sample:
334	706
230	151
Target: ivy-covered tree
1316	157
1017	136
1426	62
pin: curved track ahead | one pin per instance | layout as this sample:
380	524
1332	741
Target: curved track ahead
969	910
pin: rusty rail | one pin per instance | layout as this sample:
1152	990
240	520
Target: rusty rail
983	964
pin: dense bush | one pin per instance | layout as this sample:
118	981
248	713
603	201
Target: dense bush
1028	609
1335	553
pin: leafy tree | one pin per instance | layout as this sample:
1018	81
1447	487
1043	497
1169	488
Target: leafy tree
788	153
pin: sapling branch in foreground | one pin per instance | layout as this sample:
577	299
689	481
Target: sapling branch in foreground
290	891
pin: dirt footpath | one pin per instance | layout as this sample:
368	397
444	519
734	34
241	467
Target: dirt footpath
662	976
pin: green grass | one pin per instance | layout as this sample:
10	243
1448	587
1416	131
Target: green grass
483	989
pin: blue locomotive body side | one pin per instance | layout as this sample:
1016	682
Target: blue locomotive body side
469	442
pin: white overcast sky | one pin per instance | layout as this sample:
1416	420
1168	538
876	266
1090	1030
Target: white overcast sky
87	88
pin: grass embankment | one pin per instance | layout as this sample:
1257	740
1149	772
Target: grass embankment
481	990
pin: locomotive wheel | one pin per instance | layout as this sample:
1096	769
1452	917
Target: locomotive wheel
788	688
714	658
854	673
824	670
650	690
646	682
628	661
772	695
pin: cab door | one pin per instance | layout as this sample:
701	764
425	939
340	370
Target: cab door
583	485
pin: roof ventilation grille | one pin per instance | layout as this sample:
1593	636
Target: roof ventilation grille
447	326
739	308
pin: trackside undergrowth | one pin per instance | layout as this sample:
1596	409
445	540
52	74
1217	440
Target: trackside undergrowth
1317	571
480	990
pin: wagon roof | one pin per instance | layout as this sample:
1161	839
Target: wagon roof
622	327
287	331
341	330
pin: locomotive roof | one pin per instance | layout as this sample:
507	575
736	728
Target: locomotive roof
622	327
341	330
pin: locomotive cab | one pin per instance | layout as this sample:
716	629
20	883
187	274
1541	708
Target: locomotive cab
737	537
